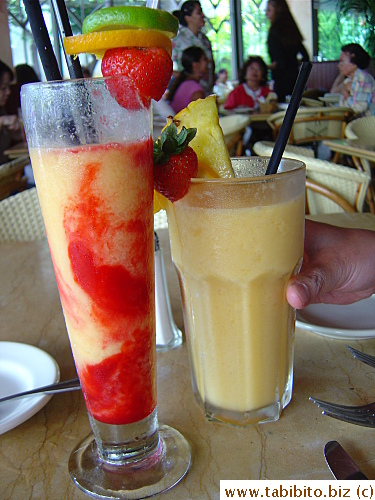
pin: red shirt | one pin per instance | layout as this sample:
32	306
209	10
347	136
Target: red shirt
239	97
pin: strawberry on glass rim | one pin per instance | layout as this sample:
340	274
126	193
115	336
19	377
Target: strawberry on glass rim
150	70
175	162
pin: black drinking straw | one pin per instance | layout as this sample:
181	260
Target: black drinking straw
42	40
290	114
62	19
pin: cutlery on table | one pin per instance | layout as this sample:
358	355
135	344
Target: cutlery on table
68	385
361	356
360	415
340	464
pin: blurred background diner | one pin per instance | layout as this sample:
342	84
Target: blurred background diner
192	22
252	85
285	47
223	87
356	86
10	131
186	87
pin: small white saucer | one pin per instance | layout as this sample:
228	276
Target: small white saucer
23	367
351	322
243	110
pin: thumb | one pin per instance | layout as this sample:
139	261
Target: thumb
307	288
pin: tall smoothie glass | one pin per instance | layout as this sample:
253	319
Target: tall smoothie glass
235	244
93	167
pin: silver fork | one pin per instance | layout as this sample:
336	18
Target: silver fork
361	356
360	415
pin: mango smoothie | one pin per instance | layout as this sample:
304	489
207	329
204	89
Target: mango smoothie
235	244
97	207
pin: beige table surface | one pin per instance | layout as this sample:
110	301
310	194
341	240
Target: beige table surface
34	455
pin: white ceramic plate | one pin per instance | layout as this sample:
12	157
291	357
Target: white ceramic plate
350	322
243	109
23	367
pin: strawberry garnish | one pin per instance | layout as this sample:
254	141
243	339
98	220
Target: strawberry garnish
150	69
175	163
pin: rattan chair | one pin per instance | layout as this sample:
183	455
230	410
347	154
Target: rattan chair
361	128
233	127
265	148
311	103
21	218
313	124
12	178
346	182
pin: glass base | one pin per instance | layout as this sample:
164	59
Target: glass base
143	478
270	413
174	342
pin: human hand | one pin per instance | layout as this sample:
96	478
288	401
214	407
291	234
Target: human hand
338	266
346	87
11	122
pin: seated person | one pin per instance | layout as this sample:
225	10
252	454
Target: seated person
186	88
358	87
252	86
222	87
338	84
10	131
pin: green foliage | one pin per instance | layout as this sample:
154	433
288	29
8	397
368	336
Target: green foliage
336	30
365	9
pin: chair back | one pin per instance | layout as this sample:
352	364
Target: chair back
233	127
21	217
11	176
311	103
348	183
265	148
362	128
313	124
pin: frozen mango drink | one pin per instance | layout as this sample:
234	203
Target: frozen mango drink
235	244
236	238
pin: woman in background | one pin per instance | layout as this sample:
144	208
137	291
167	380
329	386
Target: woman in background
285	47
10	131
358	87
252	86
192	20
222	87
186	87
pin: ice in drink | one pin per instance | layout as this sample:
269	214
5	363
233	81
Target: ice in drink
97	208
235	244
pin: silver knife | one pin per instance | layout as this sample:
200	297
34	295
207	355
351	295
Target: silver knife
340	464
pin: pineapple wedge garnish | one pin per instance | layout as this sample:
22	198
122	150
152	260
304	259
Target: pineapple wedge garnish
209	142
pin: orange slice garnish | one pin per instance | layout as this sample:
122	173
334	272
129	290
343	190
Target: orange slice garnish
98	42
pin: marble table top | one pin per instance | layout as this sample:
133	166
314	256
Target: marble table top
34	455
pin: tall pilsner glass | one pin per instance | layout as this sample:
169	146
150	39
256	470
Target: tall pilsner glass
92	161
